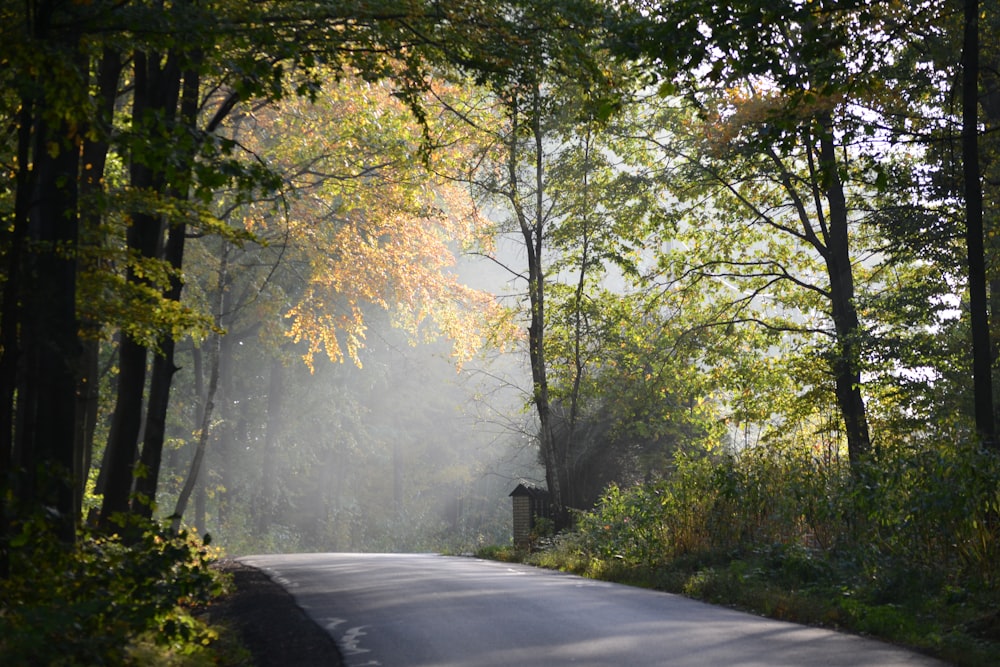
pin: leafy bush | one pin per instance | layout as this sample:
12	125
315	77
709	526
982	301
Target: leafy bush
933	514
104	601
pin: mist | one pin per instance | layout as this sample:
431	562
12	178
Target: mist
403	451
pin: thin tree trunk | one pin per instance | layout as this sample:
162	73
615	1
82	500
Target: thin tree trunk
206	417
147	474
397	476
229	415
267	495
199	455
532	227
847	356
200	501
584	212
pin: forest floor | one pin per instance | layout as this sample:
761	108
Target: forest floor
268	623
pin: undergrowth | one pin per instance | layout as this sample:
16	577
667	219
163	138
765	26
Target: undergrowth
107	602
905	549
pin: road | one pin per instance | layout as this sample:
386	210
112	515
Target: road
419	610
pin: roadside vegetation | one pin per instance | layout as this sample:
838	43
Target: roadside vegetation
110	601
787	407
748	259
895	555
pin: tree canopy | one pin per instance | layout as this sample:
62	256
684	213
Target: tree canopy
741	242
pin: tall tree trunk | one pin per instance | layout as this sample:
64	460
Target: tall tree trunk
847	356
148	475
982	362
44	281
989	98
155	96
10	318
49	332
990	105
92	241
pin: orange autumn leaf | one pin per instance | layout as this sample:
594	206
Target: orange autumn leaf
370	221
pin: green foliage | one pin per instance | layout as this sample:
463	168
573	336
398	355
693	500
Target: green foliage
895	550
934	518
105	601
714	504
502	553
732	332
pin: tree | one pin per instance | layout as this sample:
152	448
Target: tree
40	349
982	354
576	212
158	79
356	225
946	93
64	67
807	91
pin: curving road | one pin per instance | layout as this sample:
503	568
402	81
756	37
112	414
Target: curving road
419	610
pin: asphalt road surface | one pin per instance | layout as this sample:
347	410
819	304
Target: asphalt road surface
418	610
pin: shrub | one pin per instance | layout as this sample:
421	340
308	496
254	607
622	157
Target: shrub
906	547
97	602
933	513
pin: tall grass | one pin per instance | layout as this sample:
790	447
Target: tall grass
906	547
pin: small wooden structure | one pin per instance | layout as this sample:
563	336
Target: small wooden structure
530	503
